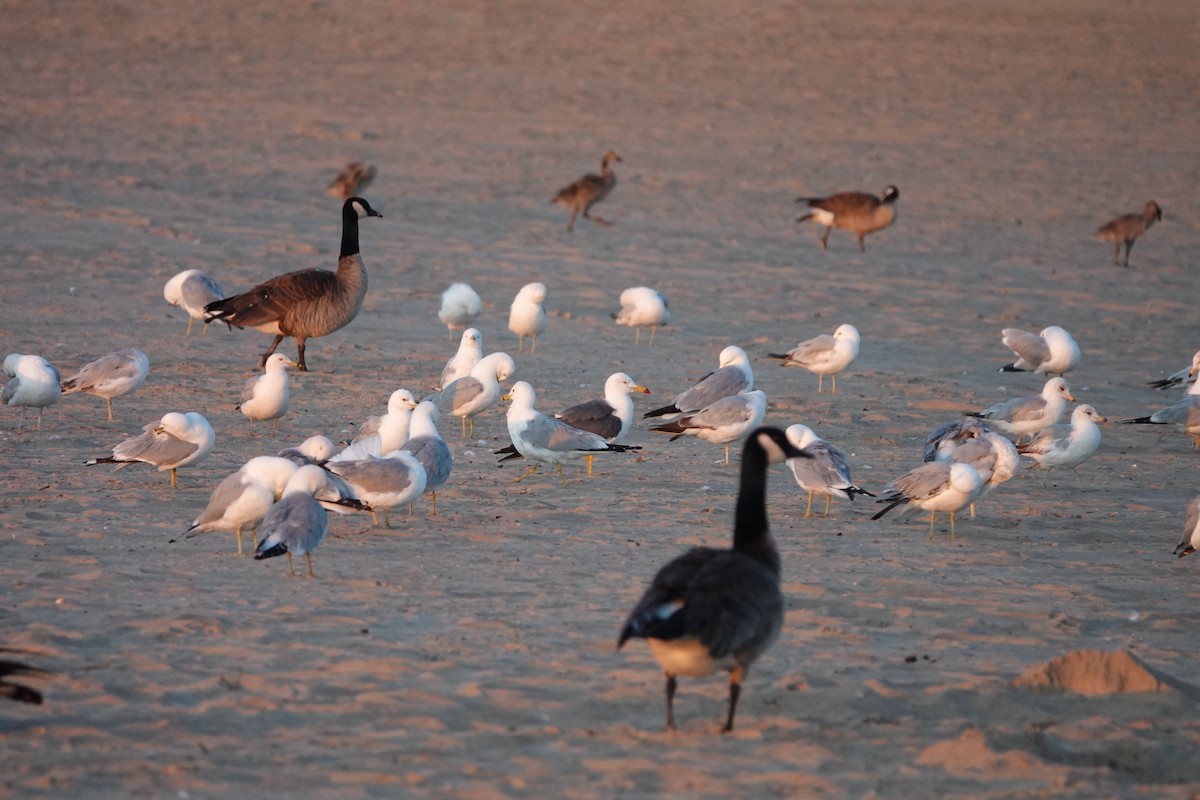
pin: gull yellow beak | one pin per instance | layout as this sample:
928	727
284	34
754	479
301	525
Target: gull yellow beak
1070	397
506	397
641	389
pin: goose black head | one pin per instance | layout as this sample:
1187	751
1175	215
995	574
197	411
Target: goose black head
361	207
890	193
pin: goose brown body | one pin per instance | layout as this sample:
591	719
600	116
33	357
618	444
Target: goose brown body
858	212
585	192
307	303
1126	229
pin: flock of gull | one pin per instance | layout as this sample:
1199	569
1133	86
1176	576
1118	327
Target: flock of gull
709	609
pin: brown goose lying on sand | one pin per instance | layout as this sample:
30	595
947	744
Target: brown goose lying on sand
1127	228
857	212
307	303
584	193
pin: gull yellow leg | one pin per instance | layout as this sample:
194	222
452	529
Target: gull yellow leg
291	569
527	473
308	558
827	498
561	474
589	463
239	539
808	510
109	401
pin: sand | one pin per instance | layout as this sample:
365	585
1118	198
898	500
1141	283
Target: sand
472	654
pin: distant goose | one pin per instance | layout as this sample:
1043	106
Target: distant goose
470	352
1184	377
721	422
109	376
428	447
643	307
527	316
733	375
933	487
1126	229
379	435
1066	445
354	178
825	354
192	290
307	303
33	383
1024	416
947	437
1185	412
585	192
267	396
1051	352
383	483
461	306
825	469
1191	529
175	441
244	497
714	609
297	523
477	392
18	691
545	440
857	212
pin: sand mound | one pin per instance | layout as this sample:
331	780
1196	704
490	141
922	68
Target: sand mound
1095	672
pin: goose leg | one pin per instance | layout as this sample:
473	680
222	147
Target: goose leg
1128	247
671	702
300	363
735	691
262	362
599	220
825	238
570	225
862	245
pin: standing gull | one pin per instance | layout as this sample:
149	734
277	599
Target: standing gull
33	383
297	523
1023	416
383	483
933	487
715	609
1125	229
733	375
307	303
477	392
859	213
461	305
1066	445
643	307
175	441
1051	352
192	290
825	354
1191	529
470	352
527	316
267	396
722	422
379	435
824	469
244	497
428	447
109	376
994	457
1185	412
588	190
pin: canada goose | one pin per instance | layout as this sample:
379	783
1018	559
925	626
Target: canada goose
1191	529
111	375
642	307
16	691
946	437
527	316
1066	445
307	303
712	609
722	422
297	523
1185	412
354	178
858	212
732	375
477	392
379	435
175	441
428	447
1022	416
824	470
1051	352
267	396
1127	228
33	383
933	487
824	355
1184	377
192	290
545	440
470	351
386	482
584	193
461	306
244	497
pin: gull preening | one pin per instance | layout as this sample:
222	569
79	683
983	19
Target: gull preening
948	436
642	307
715	609
33	383
244	497
470	351
267	396
859	213
1066	445
176	441
297	523
933	487
994	457
313	450
111	375
824	469
824	355
383	483
1051	352
1125	229
585	192
307	303
527	315
192	290
721	422
733	375
477	392
461	305
1024	416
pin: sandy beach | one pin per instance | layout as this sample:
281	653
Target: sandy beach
472	654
